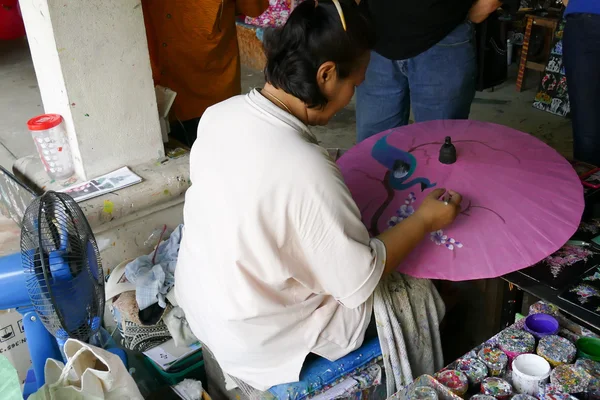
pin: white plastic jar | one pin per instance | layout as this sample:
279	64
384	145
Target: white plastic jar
50	137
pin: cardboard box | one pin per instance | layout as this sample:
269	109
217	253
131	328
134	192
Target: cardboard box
13	344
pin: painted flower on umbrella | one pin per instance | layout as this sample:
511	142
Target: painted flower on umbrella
439	238
405	210
585	292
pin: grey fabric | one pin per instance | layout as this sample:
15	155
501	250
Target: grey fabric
179	327
408	312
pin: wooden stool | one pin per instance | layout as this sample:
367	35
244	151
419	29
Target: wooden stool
549	23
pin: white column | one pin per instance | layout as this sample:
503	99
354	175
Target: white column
92	65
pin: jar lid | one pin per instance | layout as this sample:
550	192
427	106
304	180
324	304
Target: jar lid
474	368
557	350
454	380
496	387
44	121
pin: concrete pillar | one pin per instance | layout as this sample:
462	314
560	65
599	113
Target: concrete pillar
92	65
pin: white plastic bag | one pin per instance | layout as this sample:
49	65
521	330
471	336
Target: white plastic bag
91	373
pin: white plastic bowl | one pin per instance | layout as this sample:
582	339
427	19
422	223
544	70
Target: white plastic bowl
529	370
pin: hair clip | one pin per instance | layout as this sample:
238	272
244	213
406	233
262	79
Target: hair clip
338	6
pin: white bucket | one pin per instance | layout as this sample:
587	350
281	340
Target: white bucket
529	370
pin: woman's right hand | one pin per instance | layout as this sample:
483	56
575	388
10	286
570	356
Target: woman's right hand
437	214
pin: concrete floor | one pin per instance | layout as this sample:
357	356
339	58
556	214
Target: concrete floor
504	105
20	100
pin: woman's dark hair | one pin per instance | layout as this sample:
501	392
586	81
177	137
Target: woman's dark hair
313	35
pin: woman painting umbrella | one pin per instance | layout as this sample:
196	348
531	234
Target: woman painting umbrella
275	262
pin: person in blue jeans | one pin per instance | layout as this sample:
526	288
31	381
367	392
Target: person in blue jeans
424	58
581	57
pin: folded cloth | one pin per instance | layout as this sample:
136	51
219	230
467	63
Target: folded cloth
179	327
408	312
153	280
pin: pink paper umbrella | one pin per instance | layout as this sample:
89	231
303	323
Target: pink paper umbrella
521	200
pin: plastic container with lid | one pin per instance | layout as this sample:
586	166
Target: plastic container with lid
494	359
571	379
474	369
454	380
514	342
50	137
423	393
496	387
557	350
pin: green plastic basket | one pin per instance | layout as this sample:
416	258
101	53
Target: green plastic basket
194	371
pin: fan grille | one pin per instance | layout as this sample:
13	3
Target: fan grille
62	266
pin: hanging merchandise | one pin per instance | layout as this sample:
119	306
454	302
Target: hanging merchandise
552	95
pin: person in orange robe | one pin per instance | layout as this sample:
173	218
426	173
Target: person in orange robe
194	52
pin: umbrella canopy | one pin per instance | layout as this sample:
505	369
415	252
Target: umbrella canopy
521	199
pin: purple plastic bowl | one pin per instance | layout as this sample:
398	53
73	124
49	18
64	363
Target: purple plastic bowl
540	325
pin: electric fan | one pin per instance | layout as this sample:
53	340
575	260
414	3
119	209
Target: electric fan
59	280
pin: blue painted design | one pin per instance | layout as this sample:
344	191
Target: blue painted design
260	32
320	373
401	163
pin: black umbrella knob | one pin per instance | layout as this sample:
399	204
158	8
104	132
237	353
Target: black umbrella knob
448	152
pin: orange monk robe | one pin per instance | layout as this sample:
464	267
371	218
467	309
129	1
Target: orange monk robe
194	50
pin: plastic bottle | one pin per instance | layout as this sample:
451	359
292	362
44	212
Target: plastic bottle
50	137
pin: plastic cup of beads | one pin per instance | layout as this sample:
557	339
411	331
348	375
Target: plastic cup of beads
494	359
50	137
423	393
540	325
514	342
589	348
556	350
474	369
454	380
499	388
570	379
529	371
